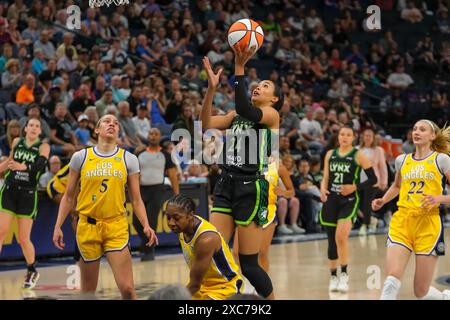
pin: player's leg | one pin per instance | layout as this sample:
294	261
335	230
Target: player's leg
89	276
224	223
342	234
250	239
396	260
265	246
425	266
121	266
24	234
332	258
5	222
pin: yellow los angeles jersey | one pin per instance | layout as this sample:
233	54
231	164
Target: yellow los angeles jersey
272	177
60	179
102	185
419	177
223	269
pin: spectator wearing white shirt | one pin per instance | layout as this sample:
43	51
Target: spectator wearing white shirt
215	55
312	132
399	79
142	123
312	20
46	45
55	165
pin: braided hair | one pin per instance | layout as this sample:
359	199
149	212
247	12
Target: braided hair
183	202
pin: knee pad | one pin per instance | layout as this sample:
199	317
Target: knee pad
255	274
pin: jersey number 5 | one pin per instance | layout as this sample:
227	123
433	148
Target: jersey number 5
413	184
104	186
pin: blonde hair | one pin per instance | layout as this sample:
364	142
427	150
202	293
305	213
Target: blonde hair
375	141
442	141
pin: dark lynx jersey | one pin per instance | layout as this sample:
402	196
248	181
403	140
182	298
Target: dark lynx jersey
28	155
247	147
343	170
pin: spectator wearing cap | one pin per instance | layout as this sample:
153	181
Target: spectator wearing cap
63	141
117	56
191	79
67	43
142	123
4	35
67	62
7	54
34	111
11	78
105	101
31	32
128	126
82	133
49	104
39	64
45	45
54	165
81	102
215	55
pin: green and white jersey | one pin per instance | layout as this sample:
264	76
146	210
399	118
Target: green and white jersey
343	170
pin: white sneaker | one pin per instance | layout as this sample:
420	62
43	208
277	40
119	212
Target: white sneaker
296	229
334	283
284	230
363	231
343	282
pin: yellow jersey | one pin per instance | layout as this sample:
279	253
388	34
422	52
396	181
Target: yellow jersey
102	185
419	177
272	177
222	269
59	181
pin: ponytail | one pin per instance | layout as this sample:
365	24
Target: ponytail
441	143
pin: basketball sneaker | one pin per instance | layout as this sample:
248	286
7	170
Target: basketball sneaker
296	229
334	283
362	231
343	282
284	230
31	279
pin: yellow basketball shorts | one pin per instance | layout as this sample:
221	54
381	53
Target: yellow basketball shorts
96	237
418	231
219	291
271	215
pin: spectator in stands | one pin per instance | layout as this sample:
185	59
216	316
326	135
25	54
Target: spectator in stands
67	43
105	101
7	54
144	51
31	33
67	62
11	78
45	45
142	123
12	132
24	96
33	111
408	145
4	35
128	126
312	132
443	22
62	138
312	20
411	13
118	56
39	63
185	120
290	123
80	103
191	79
399	79
285	145
174	107
394	106
292	205
54	165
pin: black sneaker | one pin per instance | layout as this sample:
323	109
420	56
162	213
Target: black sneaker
148	254
30	280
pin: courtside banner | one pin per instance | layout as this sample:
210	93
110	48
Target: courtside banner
42	232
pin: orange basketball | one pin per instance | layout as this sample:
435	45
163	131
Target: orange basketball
245	33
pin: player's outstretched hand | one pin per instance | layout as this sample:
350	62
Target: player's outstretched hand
242	55
151	235
213	78
377	204
58	238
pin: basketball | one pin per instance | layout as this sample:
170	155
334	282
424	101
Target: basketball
245	33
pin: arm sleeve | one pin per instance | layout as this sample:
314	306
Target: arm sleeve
132	163
38	165
77	160
399	161
371	179
243	107
443	162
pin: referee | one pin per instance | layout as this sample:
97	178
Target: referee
155	164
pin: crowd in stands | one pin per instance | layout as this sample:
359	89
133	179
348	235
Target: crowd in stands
141	62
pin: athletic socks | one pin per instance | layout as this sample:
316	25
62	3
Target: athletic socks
434	294
333	272
391	288
31	267
344	268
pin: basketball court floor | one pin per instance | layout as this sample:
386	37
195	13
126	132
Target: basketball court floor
298	270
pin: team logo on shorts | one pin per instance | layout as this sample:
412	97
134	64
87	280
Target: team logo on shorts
94	197
263	213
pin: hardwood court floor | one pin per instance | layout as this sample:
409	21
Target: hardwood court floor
298	271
